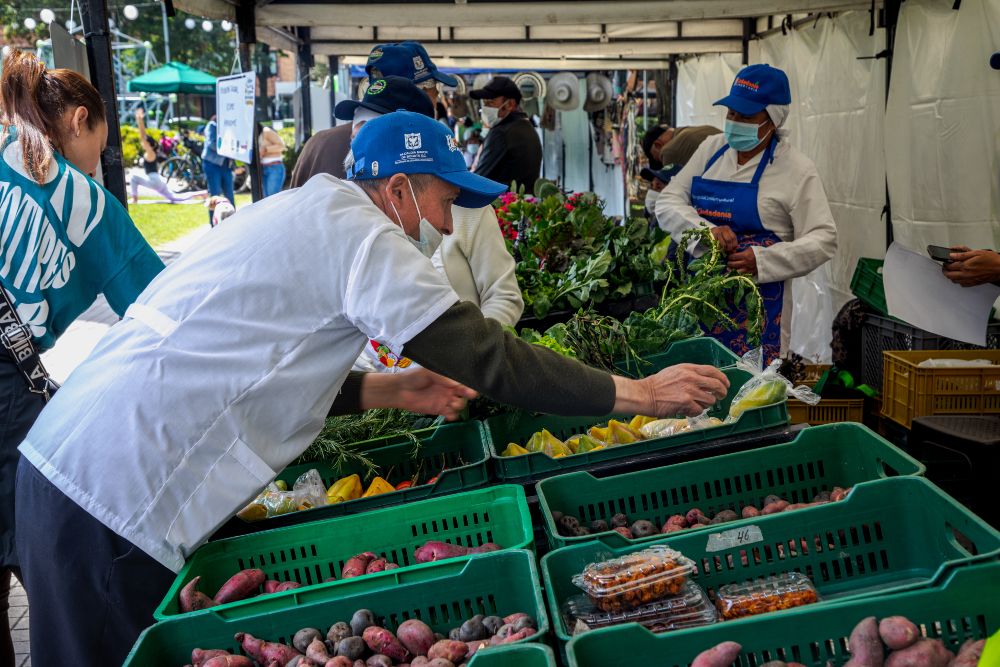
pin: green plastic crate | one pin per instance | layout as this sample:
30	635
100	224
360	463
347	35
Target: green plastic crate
887	535
443	596
457	453
310	553
957	609
703	350
867	285
516	655
818	459
519	426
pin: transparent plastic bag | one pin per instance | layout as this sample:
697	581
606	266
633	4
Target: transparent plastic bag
766	387
307	492
309	488
811	331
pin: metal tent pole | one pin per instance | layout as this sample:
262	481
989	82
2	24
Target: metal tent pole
247	32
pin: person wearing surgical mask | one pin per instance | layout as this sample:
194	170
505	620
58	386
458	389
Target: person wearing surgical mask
761	198
473	144
512	151
658	179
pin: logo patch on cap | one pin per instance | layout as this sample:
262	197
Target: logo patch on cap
413	141
746	84
375	168
375	55
452	144
376	87
418	62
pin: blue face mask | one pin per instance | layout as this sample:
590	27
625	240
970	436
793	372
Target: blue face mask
742	136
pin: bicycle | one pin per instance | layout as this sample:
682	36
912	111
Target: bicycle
184	172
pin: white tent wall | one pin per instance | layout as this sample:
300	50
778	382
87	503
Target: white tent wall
700	81
943	125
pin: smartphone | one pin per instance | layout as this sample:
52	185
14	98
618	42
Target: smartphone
939	253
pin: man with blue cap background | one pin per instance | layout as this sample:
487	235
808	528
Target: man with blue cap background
225	368
761	198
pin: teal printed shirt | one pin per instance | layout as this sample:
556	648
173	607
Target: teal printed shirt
64	242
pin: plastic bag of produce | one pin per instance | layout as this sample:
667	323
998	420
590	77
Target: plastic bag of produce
767	387
307	492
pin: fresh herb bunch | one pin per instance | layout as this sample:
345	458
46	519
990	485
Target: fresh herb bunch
335	443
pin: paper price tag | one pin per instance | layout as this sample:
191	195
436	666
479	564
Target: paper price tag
737	537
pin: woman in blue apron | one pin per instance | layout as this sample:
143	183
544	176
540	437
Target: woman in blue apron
762	200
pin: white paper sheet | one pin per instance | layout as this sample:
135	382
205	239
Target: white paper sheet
917	292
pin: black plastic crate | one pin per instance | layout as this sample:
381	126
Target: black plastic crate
962	455
885	333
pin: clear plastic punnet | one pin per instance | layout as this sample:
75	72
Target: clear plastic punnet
636	579
760	596
688	609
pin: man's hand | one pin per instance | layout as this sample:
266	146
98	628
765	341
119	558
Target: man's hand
744	261
726	238
418	390
684	389
972	267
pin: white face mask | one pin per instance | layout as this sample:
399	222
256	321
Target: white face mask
430	238
491	116
651	196
472	149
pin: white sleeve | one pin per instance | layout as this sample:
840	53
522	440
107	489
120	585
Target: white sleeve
814	230
493	269
674	211
393	292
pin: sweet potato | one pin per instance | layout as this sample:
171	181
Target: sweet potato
377	565
775	663
485	548
475	646
264	652
378	660
359	663
774	508
200	656
420	661
968	654
514	618
440	662
339	661
838	494
416	636
624	531
329	579
304	637
721	655
923	653
724	516
316	651
391	566
749	511
449	650
671	528
240	586
517	635
898	632
271	586
865	645
435	550
382	641
357	566
228	661
287	586
191	599
692	516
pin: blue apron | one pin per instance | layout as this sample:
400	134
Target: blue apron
735	206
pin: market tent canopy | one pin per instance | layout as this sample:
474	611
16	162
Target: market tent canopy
174	77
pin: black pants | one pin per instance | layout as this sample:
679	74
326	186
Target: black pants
18	410
90	591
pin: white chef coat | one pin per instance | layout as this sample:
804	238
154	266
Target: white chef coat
475	260
225	368
791	203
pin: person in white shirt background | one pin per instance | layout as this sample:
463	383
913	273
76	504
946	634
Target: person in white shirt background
761	198
225	368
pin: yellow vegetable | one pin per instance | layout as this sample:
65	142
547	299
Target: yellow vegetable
600	434
281	484
514	449
348	488
622	434
639	421
764	394
581	444
378	487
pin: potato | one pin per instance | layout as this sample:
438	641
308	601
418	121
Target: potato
865	645
924	653
514	618
624	532
264	652
692	516
316	651
568	525
228	661
304	637
619	521
471	630
524	622
339	631
599	526
449	650
774	508
721	655
379	660
440	662
240	586
361	620
724	516
357	566
351	648
492	624
643	528
339	661
416	636
191	599
420	661
898	632
199	656
969	654
749	512
384	642
771	499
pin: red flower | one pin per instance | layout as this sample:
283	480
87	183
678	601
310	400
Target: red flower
569	207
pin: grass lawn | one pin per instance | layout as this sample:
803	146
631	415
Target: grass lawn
162	223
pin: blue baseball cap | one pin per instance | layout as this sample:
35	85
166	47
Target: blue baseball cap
406	59
756	87
663	174
387	95
403	142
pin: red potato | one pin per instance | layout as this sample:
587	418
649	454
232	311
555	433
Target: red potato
969	654
271	586
485	548
775	507
240	586
749	512
671	528
440	662
228	661
391	566
201	656
382	641
514	618
449	650
721	655
898	632
865	645
692	516
624	531
420	661
264	652
435	550
357	566
377	565
475	646
329	579
317	652
287	586
523	633
339	661
416	636
838	493
191	599
923	653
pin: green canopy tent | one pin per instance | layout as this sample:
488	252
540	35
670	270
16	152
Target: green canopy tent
174	77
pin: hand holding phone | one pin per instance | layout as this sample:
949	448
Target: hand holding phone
939	253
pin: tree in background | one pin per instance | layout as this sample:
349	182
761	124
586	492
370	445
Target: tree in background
213	52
